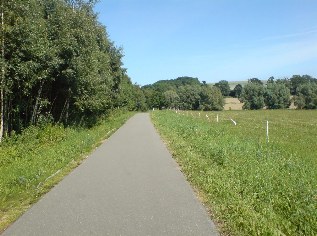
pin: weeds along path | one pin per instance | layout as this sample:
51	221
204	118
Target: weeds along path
129	186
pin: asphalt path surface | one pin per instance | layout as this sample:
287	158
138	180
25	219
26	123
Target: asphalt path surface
129	186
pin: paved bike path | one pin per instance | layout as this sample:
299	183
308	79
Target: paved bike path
129	186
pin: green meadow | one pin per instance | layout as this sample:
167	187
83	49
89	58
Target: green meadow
251	185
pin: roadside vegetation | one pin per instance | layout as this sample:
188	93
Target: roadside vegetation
63	89
253	187
58	64
33	162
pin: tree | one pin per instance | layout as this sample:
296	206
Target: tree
185	93
217	99
277	95
297	80
306	96
211	99
59	63
189	97
172	93
237	90
284	81
255	81
139	99
132	97
2	62
224	87
154	97
171	99
253	96
30	57
174	84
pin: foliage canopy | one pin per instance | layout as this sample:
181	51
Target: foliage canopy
60	65
185	93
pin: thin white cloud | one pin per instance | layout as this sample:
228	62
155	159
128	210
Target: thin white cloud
306	33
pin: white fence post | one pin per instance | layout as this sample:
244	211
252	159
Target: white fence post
267	131
235	123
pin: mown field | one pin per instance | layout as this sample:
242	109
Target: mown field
32	163
250	186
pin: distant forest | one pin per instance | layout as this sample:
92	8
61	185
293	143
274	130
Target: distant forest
185	93
58	65
188	93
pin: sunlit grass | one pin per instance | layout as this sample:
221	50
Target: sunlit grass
253	187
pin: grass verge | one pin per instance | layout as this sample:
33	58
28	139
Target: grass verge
33	162
252	187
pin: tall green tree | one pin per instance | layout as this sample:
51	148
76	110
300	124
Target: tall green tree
237	91
157	94
2	78
154	97
139	99
298	80
189	97
255	81
211	99
60	64
277	95
224	87
253	96
306	96
30	57
171	98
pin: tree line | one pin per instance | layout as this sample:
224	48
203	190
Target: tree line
276	93
188	93
59	65
185	93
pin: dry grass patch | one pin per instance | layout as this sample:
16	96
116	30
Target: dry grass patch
233	104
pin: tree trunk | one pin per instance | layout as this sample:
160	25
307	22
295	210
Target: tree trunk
35	110
67	114
2	76
65	111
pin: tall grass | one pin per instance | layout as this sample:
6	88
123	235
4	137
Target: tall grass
251	186
31	163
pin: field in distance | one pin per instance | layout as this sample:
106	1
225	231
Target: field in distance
236	105
253	187
233	84
232	104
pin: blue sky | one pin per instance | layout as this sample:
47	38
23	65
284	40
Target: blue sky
213	40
